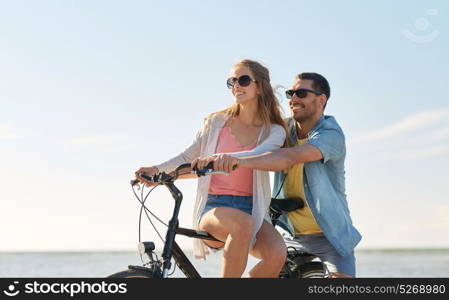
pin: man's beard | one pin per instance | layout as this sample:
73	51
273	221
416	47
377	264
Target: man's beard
306	115
301	118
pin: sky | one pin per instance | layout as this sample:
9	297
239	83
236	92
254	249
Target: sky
92	90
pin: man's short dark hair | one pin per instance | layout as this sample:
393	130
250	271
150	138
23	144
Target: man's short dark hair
319	83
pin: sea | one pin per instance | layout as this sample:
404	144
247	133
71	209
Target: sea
399	263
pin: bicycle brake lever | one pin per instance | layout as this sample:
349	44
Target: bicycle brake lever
135	182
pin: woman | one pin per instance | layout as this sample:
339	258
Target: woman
234	208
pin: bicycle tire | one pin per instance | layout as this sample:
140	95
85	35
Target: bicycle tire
312	270
135	273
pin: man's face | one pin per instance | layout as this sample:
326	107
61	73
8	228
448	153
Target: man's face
304	108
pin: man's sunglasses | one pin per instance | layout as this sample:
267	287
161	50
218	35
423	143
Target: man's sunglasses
300	93
243	80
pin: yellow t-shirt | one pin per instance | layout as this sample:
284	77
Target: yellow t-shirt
302	219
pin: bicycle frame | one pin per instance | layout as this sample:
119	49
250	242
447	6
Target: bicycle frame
171	248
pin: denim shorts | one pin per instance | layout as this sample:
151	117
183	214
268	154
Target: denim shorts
318	244
243	203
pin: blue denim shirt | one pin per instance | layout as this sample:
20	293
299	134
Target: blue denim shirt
324	185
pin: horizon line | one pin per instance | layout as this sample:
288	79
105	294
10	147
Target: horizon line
372	249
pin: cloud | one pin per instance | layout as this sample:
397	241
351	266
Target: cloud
416	153
440	134
417	136
408	124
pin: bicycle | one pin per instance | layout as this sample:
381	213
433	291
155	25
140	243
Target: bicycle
298	264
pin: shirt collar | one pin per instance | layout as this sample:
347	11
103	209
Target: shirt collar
294	132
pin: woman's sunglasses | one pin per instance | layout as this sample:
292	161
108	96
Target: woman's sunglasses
243	80
300	93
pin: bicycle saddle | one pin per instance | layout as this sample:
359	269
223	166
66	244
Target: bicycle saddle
287	204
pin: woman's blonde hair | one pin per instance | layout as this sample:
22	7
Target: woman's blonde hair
268	106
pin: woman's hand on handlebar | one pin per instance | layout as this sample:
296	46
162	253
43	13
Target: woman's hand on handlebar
149	171
201	163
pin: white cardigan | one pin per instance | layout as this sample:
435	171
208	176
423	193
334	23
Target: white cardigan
205	145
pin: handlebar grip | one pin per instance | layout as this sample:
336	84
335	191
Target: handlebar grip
186	165
210	166
146	177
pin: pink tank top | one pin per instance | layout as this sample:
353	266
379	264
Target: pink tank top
240	181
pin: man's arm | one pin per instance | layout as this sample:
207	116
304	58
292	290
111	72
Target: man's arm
280	159
322	146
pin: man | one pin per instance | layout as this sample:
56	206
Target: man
315	173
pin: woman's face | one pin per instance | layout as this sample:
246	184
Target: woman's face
244	94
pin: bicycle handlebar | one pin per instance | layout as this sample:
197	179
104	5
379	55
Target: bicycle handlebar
163	177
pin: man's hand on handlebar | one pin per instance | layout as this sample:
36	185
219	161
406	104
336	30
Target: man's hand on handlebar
222	162
149	171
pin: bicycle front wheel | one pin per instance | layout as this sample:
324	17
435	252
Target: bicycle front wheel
136	272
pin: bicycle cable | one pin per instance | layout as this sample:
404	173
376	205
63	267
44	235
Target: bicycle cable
143	207
174	269
140	217
146	209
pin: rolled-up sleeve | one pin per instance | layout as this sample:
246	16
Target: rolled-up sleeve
330	142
